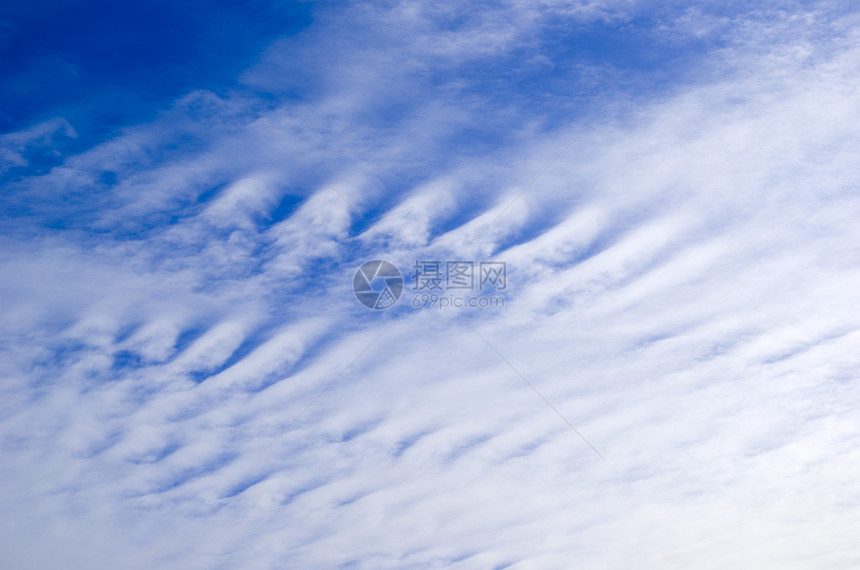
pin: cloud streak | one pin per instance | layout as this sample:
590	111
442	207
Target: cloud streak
188	381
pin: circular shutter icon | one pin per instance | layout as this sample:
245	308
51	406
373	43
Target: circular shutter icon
377	284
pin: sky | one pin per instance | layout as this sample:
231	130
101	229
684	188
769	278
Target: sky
665	376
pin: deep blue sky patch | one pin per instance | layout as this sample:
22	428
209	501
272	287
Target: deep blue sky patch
103	65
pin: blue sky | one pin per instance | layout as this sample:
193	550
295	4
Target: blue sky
668	380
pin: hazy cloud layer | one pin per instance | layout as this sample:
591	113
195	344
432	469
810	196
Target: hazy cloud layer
681	288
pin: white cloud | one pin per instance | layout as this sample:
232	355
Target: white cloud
14	146
682	287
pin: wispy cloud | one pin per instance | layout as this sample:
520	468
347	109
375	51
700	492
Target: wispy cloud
189	382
